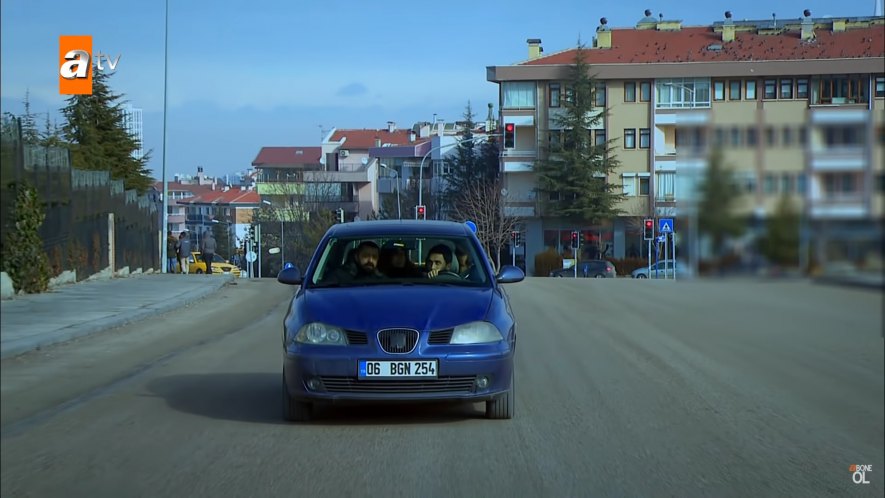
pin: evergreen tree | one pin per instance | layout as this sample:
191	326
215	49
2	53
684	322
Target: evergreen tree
780	244
471	165
51	135
718	192
30	135
99	140
572	177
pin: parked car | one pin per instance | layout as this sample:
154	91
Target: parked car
663	269
431	331
594	268
220	266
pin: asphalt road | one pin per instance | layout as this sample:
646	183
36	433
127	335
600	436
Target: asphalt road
625	388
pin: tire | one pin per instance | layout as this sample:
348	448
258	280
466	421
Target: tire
502	407
294	410
599	275
641	275
199	271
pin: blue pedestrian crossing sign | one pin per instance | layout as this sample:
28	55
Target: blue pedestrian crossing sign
665	225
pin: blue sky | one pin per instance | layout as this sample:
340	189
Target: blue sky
273	74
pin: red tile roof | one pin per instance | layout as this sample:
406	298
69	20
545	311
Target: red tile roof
632	46
232	196
365	139
284	156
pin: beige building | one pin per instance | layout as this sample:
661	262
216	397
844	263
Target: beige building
797	106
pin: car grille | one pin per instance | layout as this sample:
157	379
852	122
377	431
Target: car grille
463	384
356	338
398	341
440	336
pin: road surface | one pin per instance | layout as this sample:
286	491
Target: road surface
625	388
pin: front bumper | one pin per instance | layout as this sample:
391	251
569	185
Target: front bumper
334	373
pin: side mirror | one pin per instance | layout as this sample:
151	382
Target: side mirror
289	276
510	274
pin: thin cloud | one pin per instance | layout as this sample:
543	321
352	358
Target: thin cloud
352	89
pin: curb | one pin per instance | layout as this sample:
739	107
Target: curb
17	348
852	282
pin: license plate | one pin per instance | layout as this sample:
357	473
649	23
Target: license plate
398	369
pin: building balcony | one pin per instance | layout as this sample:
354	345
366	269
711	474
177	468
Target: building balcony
838	207
361	176
519	153
839	113
845	158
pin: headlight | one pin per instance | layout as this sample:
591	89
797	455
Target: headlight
319	333
476	333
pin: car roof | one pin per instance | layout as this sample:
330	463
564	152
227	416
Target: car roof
375	228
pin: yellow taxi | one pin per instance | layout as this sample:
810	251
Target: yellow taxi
219	265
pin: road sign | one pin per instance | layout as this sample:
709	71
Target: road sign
662	238
471	225
251	256
665	225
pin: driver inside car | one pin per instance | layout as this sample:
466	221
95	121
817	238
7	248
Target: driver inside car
439	262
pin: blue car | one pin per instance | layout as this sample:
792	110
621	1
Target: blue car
399	311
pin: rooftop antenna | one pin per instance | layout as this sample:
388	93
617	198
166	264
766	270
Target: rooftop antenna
773	20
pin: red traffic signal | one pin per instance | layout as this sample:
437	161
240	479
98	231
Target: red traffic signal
421	211
509	135
649	229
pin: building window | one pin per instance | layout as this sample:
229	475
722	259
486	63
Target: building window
629	91
735	137
841	184
770	184
630	138
555	92
843	136
643	185
719	137
880	86
787	88
788	136
850	89
734	90
770	90
600	138
752	137
629	183
802	88
718	90
599	95
787	183
569	95
519	94
801	183
665	185
645	91
681	93
803	136
644	138
751	90
769	136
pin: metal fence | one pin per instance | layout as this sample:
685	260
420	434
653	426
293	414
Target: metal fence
77	204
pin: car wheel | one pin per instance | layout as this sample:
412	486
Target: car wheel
600	275
502	407
294	410
641	275
199	271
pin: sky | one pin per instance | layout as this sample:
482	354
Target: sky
243	75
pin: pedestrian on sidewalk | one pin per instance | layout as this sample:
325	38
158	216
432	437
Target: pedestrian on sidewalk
171	259
208	250
184	251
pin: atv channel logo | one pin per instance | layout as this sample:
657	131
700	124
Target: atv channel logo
75	65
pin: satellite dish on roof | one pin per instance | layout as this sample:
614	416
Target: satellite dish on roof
365	161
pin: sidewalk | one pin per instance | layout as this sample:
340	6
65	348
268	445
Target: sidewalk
37	320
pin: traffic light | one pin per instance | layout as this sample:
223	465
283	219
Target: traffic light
515	238
251	232
648	229
509	135
575	240
421	212
338	215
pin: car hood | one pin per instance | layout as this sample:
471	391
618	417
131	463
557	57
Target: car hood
422	307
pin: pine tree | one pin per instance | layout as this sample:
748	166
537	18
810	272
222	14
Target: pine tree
780	244
718	192
572	178
51	135
98	137
30	135
471	165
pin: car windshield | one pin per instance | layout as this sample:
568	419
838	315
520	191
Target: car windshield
398	260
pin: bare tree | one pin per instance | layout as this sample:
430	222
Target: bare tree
483	203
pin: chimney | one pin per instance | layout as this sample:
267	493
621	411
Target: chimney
377	142
728	28
807	26
603	34
391	127
412	136
838	25
535	49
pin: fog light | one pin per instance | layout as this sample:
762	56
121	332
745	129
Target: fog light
314	384
482	382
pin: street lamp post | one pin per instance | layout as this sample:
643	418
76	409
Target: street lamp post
165	101
439	147
395	174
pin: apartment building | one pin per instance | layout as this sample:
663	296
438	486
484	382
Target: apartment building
797	106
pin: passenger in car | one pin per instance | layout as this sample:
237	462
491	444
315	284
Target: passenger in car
363	265
439	262
465	267
395	262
